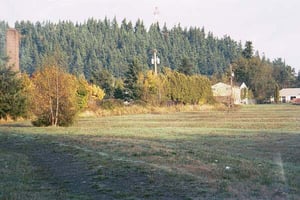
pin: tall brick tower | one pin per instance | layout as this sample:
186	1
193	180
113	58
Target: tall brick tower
12	48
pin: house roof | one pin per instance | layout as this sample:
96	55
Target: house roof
224	85
222	89
243	86
221	85
290	92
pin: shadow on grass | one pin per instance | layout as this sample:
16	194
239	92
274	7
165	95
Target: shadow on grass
17	124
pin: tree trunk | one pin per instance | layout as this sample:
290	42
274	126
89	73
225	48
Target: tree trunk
50	102
51	112
57	99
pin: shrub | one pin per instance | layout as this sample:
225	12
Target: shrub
55	101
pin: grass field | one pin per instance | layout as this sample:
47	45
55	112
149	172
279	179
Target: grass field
250	153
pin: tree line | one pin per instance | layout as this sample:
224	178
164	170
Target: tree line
170	86
264	78
106	44
102	52
53	97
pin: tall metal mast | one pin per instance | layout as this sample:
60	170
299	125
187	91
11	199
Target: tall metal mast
231	86
155	61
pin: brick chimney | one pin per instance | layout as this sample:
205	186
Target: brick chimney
12	48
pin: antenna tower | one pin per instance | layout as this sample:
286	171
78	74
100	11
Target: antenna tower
156	14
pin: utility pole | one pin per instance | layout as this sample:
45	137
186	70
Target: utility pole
156	14
155	61
231	86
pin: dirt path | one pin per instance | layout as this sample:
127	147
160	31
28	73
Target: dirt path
100	178
60	168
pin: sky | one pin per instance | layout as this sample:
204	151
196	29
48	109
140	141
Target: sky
272	25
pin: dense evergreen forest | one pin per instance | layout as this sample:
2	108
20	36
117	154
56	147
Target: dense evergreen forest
88	48
98	44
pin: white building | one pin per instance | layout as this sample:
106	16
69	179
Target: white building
222	92
286	95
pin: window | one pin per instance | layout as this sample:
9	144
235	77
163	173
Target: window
293	97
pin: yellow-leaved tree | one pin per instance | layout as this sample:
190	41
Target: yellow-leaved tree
55	97
153	90
88	94
96	92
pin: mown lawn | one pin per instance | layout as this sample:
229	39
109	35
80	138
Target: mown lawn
250	153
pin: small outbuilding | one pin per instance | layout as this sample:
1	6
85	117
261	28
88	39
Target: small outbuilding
224	92
287	95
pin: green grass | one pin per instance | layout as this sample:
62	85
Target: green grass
250	153
19	180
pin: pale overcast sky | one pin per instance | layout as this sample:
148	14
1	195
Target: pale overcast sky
272	25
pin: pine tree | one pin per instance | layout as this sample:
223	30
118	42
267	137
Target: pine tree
132	90
78	66
186	67
13	101
3	27
248	51
105	80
